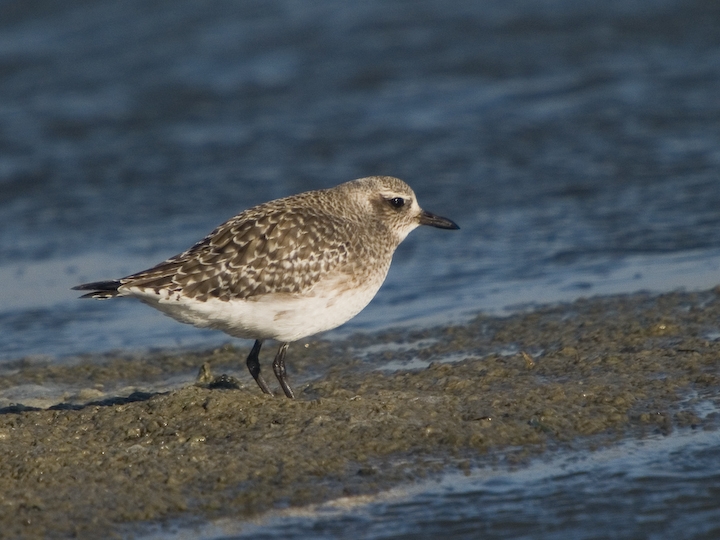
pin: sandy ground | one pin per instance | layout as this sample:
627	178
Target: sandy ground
118	450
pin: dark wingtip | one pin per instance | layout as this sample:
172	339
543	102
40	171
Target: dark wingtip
100	289
111	285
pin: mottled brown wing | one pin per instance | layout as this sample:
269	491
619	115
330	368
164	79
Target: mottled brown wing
261	251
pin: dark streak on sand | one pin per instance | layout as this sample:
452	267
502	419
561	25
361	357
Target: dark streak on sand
595	370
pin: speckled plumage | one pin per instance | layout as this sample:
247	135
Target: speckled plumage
287	268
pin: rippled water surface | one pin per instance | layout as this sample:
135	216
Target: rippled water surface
656	488
576	143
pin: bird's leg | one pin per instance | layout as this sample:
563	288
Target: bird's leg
253	364
279	369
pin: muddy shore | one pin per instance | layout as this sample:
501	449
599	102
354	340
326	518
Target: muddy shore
121	447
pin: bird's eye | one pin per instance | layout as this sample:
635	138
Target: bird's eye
397	202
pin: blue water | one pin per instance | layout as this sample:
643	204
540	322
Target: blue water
576	143
661	487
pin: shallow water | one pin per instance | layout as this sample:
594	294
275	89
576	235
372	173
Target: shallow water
659	487
576	143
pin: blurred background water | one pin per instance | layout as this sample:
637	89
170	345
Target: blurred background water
576	143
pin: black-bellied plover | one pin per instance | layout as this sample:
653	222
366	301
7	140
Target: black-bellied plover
285	269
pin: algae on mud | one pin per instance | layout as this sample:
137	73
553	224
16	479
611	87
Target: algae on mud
612	367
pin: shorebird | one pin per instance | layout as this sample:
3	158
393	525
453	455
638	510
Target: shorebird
285	269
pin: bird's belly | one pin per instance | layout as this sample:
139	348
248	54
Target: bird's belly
283	317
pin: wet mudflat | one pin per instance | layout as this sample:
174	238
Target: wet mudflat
118	450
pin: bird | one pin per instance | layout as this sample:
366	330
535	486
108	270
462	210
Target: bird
285	269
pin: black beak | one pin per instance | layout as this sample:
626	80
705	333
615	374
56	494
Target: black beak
426	218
